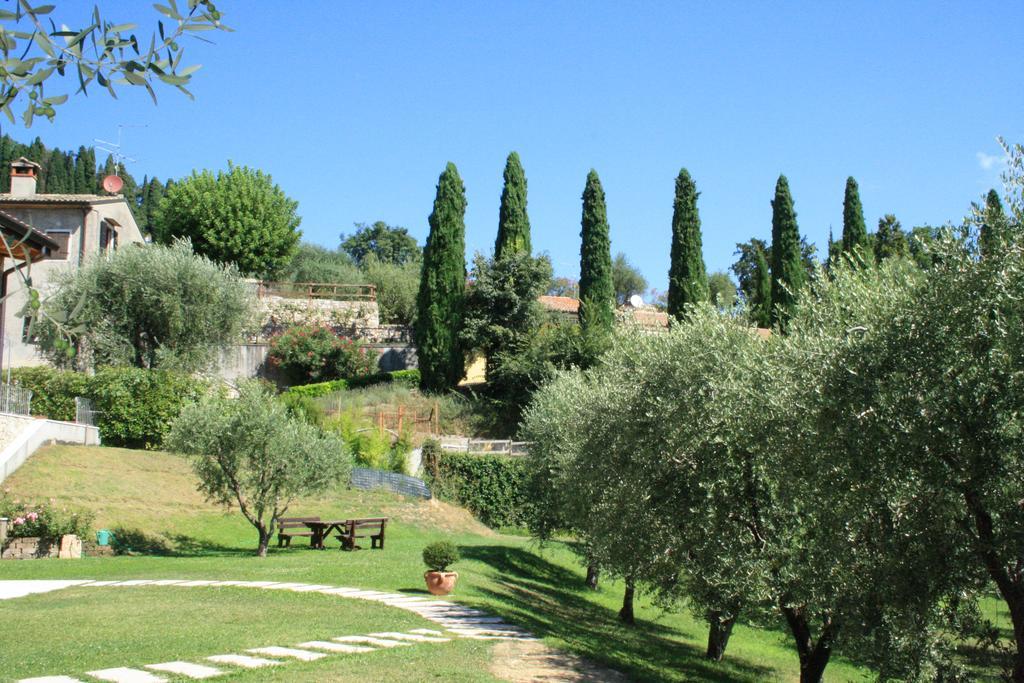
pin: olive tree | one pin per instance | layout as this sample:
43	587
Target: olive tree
37	51
929	406
248	451
145	306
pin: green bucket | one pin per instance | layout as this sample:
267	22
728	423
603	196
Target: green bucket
103	537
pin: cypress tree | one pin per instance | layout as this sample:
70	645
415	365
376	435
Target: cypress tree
69	172
993	223
761	296
855	232
788	273
687	276
154	192
513	221
56	173
597	290
443	287
85	171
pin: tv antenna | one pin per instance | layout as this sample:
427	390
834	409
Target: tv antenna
114	183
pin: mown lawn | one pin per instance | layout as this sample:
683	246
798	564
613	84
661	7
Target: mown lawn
539	588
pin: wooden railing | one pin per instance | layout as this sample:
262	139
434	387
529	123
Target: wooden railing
317	290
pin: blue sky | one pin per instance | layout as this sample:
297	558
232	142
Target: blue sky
354	109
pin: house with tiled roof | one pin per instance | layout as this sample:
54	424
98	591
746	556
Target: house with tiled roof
74	228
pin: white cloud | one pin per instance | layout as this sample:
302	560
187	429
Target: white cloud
990	161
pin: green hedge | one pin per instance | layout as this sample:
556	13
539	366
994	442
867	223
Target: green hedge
135	406
409	378
492	487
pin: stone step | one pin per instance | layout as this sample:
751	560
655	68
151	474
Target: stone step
275	651
244	661
186	669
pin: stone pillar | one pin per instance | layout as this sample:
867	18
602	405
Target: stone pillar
3	532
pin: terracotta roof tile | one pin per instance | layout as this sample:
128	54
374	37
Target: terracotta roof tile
562	304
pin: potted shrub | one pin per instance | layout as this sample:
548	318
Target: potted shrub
438	556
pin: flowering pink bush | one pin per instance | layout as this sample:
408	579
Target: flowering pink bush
315	353
43	520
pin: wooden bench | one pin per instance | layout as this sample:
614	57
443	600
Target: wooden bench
368	526
288	527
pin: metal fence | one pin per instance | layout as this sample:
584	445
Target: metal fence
84	413
15	399
365	478
495	446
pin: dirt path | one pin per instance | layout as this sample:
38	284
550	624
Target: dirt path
520	661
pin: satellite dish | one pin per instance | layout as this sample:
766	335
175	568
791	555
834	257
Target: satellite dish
112	184
636	301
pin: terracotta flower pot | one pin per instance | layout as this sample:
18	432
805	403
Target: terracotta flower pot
441	583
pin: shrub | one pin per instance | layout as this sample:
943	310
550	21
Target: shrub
369	447
43	520
439	555
316	352
491	487
409	378
134	406
129	541
303	407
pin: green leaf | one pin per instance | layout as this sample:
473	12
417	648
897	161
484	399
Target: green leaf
44	44
43	9
189	70
121	27
56	99
167	11
172	79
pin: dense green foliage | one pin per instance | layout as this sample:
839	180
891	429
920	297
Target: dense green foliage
597	288
855	232
370	447
249	452
149	307
410	378
239	216
889	240
993	223
388	244
627	279
502	311
788	273
440	300
316	353
513	220
687	277
134	407
721	290
492	487
440	555
314	263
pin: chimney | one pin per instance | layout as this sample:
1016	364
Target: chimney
23	177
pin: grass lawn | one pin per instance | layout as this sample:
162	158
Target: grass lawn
539	588
111	627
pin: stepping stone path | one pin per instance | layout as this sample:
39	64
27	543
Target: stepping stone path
458	622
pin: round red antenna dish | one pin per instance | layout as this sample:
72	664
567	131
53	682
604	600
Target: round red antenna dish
112	184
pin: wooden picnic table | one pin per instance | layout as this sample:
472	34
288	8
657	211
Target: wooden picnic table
323	528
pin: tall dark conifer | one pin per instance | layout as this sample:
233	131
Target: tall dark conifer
597	288
788	272
687	276
761	295
442	290
513	221
993	223
56	173
85	171
855	231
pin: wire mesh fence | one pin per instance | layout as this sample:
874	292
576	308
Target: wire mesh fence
15	399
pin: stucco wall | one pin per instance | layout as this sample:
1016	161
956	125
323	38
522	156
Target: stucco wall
45	273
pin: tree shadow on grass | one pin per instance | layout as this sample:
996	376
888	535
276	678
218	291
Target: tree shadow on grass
549	600
191	546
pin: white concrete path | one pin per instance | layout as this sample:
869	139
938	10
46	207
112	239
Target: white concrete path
458	622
